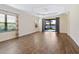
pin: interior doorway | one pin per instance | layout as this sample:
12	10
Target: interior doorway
50	25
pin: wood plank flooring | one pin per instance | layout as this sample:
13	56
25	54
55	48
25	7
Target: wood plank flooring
40	43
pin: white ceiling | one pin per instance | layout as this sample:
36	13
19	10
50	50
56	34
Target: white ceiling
43	10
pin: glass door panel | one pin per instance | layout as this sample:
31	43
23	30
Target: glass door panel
50	25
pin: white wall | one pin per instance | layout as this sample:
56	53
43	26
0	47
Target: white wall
26	23
74	23
7	35
63	23
40	24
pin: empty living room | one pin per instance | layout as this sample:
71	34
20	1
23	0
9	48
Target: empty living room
39	29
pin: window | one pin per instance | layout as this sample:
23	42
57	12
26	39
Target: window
53	21
2	22
47	22
7	23
11	22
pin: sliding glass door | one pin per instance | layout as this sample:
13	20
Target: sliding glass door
50	25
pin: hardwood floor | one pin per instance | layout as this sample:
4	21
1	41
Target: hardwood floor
40	43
